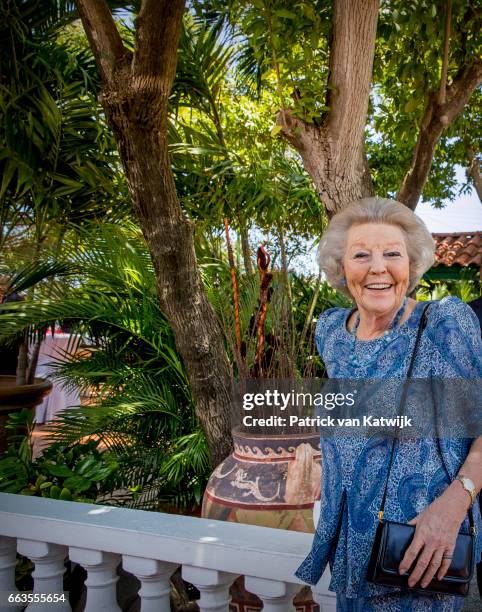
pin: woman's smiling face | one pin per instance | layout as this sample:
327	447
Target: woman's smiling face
376	266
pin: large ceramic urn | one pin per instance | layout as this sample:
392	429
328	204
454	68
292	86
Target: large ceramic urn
14	398
268	480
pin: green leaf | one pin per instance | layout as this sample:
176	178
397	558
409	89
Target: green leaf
77	483
8	172
102	473
84	466
40	479
55	492
275	130
65	494
411	105
62	471
284	13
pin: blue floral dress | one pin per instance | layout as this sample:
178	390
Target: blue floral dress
355	468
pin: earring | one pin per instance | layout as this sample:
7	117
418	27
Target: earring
343	282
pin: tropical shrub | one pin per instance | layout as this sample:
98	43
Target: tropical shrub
76	473
140	408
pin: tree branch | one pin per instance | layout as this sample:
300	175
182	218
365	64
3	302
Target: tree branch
436	119
103	35
466	81
445	58
158	27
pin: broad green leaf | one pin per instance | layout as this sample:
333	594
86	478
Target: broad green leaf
62	471
284	13
55	492
65	494
77	483
411	105
8	173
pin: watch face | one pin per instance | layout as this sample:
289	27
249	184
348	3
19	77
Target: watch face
467	482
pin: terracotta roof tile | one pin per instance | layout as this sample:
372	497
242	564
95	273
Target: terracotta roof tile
464	249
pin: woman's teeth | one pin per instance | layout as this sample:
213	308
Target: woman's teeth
378	286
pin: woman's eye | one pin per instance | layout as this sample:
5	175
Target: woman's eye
393	254
360	255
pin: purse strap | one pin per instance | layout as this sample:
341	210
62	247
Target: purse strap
403	399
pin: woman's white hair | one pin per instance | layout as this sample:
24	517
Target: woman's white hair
419	242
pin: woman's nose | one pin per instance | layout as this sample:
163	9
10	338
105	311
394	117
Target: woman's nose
377	264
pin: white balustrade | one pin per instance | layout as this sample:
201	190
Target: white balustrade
151	546
8	555
101	580
277	596
155	582
213	586
49	570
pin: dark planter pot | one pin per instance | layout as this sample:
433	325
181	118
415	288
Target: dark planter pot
268	480
14	397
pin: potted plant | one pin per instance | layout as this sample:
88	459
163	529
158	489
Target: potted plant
271	477
19	387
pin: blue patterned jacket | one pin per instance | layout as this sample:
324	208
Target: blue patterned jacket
354	468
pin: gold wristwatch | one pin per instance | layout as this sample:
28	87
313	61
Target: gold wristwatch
468	486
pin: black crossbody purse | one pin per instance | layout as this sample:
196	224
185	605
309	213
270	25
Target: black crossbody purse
392	539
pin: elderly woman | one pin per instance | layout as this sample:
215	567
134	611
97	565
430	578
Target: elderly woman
376	250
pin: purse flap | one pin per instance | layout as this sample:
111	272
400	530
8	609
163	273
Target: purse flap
396	539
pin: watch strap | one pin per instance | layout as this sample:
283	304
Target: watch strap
470	490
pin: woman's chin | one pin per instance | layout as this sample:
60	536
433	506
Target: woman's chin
380	302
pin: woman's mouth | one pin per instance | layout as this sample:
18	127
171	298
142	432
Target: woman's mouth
379	286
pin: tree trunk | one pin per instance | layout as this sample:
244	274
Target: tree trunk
143	148
135	95
22	363
333	151
474	170
32	366
243	232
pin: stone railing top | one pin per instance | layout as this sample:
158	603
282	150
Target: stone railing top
229	547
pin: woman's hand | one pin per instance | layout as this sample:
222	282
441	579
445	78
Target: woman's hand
436	531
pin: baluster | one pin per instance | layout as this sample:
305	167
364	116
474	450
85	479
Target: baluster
8	556
49	571
101	580
277	596
155	581
213	586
